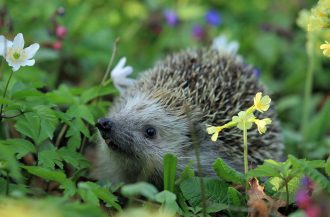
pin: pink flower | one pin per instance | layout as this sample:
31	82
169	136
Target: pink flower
57	45
60	31
303	199
313	211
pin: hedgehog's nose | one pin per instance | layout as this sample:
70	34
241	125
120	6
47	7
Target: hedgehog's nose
104	124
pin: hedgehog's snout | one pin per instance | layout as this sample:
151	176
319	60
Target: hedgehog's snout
104	125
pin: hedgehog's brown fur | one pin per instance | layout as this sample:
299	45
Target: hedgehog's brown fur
214	87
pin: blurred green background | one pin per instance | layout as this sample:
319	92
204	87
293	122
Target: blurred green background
77	39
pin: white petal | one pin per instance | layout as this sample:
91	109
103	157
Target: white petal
127	71
232	47
32	50
119	70
18	41
16	67
119	65
4	45
28	62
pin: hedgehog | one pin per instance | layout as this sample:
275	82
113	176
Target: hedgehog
171	104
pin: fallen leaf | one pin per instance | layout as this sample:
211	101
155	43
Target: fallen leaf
262	205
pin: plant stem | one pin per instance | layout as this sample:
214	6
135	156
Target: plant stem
196	146
107	72
60	135
245	149
287	195
7	183
309	81
4	94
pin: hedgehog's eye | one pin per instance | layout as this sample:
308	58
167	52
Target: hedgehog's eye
150	132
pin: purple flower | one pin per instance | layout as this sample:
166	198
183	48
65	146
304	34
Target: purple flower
213	18
303	199
171	17
198	32
256	72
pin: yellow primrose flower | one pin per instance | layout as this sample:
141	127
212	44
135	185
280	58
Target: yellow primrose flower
316	23
326	49
215	131
261	103
243	118
261	124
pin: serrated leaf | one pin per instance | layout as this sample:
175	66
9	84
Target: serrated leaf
8	162
74	158
77	126
20	146
312	173
215	190
97	91
49	158
81	111
91	192
235	198
228	173
265	170
53	175
169	171
39	124
62	95
142	188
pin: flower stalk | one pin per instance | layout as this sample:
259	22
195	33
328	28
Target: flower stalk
244	121
309	81
4	95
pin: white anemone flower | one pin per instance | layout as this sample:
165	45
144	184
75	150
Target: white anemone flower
15	54
119	75
222	44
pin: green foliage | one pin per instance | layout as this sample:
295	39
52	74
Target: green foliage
142	188
227	173
168	201
51	175
307	169
215	192
91	193
169	172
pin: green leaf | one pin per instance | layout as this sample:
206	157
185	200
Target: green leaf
327	167
168	201
235	198
312	173
20	146
81	111
50	158
97	91
270	168
9	163
319	125
62	95
142	188
187	172
39	124
91	192
170	162
227	173
53	175
277	187
215	190
74	158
